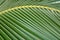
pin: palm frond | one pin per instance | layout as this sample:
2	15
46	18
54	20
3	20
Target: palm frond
30	23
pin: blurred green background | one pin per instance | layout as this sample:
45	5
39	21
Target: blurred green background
6	4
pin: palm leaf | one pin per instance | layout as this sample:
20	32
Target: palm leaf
30	23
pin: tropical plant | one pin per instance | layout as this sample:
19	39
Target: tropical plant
29	21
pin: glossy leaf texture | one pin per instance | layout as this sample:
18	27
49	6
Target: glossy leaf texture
30	23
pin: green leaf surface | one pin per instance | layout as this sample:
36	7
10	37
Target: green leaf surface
30	23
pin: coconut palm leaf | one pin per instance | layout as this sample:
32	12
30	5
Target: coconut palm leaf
30	23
